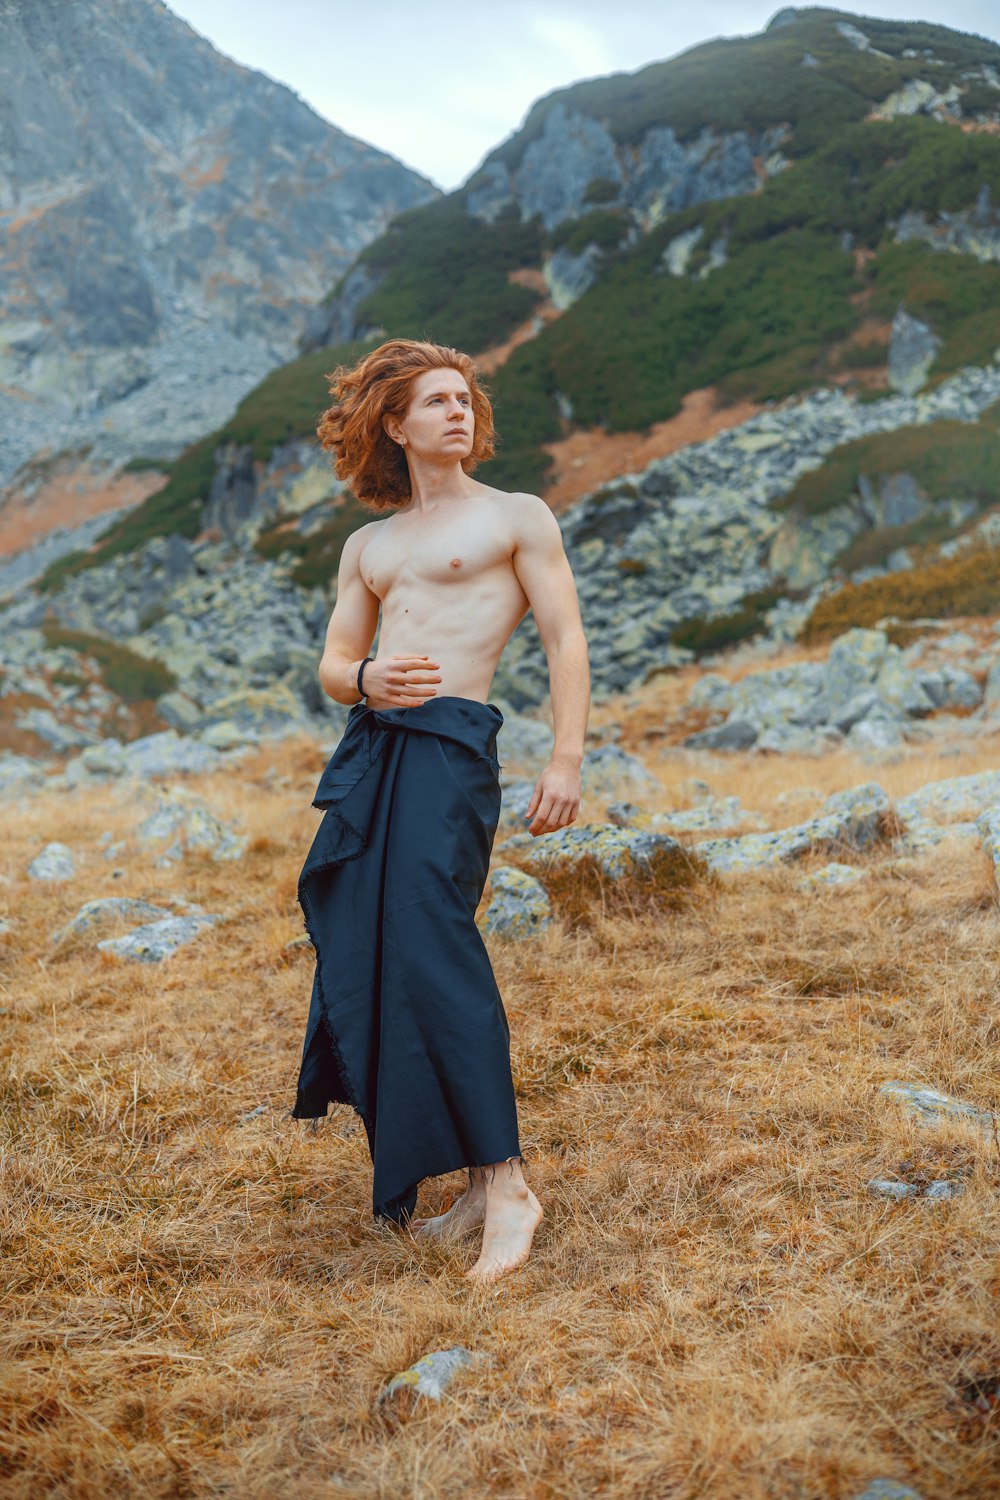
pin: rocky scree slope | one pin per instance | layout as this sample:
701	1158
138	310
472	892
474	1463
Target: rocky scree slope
168	219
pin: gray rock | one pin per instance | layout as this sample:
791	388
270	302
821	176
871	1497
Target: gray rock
515	798
107	909
734	734
55	862
913	348
185	823
944	1190
180	711
829	875
522	740
886	1188
433	1374
888	1489
614	849
857	824
156	941
62	737
714	691
609	768
988	828
929	1107
169	754
519	907
19	773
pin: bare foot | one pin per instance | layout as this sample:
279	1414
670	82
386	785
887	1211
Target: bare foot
512	1216
466	1213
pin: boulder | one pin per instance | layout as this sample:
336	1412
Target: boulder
185	823
614	849
105	910
55	862
858	823
155	941
734	734
913	348
519	906
609	768
928	1107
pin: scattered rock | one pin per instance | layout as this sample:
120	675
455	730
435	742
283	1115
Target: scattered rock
609	768
433	1374
913	348
155	941
943	1190
19	773
928	1107
519	906
861	819
888	1489
831	874
886	1188
56	862
613	849
189	824
104	910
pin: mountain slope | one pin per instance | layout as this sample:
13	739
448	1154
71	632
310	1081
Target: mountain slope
725	217
831	272
168	219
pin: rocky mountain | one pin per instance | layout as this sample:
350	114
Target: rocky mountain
168	219
770	265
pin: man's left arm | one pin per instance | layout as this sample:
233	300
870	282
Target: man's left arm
543	570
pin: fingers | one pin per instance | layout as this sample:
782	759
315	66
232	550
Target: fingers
552	813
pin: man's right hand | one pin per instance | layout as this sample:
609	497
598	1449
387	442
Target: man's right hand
400	681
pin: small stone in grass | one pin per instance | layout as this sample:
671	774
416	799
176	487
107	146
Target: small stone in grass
885	1188
432	1374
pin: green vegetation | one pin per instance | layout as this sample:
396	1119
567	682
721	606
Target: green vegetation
444	275
135	679
318	553
605	227
704	635
749	83
968	584
949	460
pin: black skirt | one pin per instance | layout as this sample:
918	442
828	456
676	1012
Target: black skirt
406	1023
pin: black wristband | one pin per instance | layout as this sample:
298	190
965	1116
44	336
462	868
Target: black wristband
360	670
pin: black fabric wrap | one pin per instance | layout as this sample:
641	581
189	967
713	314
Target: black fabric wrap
406	1023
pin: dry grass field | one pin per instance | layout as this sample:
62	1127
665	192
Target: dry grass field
198	1304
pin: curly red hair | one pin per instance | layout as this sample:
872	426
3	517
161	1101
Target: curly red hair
378	386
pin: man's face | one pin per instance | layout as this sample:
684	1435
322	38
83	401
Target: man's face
439	421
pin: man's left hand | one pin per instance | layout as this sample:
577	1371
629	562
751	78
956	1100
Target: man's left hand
555	801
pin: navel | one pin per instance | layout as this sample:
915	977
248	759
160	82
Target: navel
456	562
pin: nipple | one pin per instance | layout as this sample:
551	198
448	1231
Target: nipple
456	562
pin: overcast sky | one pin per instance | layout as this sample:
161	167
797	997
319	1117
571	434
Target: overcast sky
439	85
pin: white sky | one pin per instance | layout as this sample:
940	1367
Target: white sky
439	85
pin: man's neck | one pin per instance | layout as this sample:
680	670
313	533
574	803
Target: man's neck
436	484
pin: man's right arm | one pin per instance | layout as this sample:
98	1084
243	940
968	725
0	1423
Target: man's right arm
352	626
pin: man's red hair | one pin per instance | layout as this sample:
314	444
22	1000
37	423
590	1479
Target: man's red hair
380	385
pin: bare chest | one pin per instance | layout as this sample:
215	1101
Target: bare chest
433	553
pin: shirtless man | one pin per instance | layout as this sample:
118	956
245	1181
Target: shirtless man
454	567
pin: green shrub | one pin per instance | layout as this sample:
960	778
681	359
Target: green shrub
703	634
968	584
133	678
949	460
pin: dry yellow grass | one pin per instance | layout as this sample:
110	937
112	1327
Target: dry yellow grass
715	1306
